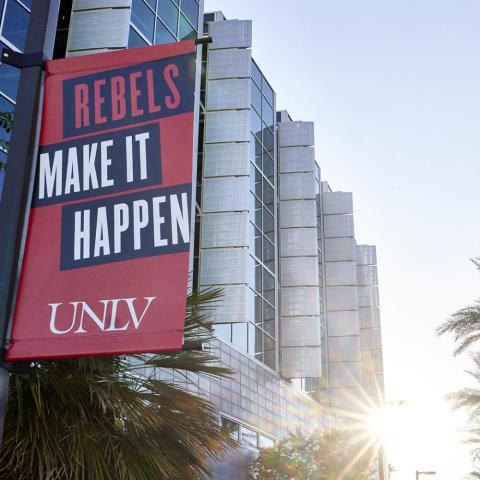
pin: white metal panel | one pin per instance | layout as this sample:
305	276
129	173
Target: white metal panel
367	275
292	134
341	273
342	298
344	374
300	331
224	266
369	317
229	63
91	4
233	306
372	361
227	126
348	399
368	296
295	186
225	194
226	159
298	213
224	230
300	362
370	338
337	203
231	34
300	301
368	254
298	271
340	249
338	226
102	28
344	349
343	323
296	159
228	94
298	242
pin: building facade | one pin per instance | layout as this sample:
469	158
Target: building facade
299	322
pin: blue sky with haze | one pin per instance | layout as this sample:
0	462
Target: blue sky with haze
393	88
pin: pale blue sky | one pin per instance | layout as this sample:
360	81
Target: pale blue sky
393	88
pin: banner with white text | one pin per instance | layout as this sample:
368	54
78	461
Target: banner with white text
105	268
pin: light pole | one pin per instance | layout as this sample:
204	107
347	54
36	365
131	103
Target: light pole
417	474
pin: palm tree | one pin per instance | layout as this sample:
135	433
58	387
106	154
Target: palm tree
464	324
113	417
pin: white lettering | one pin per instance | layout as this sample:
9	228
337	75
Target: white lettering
48	178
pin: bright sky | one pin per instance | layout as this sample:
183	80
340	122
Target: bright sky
393	88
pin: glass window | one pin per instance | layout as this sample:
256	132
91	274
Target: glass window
162	34
168	11
143	18
265	442
269	352
190	9
268	254
268	141
268	227
232	428
239	336
258	278
255	211
256	74
9	77
268	287
256	98
258	310
268	92
15	24
256	125
268	168
269	319
135	40
223	331
255	151
152	3
27	3
267	113
5	106
268	195
185	30
249	437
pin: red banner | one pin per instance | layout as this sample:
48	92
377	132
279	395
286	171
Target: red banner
106	260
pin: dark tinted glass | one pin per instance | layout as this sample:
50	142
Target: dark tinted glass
256	98
135	40
162	35
267	113
232	428
268	195
256	125
9	77
268	168
268	92
256	74
190	9
143	18
185	30
267	138
168	12
15	24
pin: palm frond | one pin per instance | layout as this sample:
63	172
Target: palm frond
115	417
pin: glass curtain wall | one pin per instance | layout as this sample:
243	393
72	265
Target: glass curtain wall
259	336
14	16
162	21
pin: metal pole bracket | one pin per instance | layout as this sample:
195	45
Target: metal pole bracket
22	60
203	40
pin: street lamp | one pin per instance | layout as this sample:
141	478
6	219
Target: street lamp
417	474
